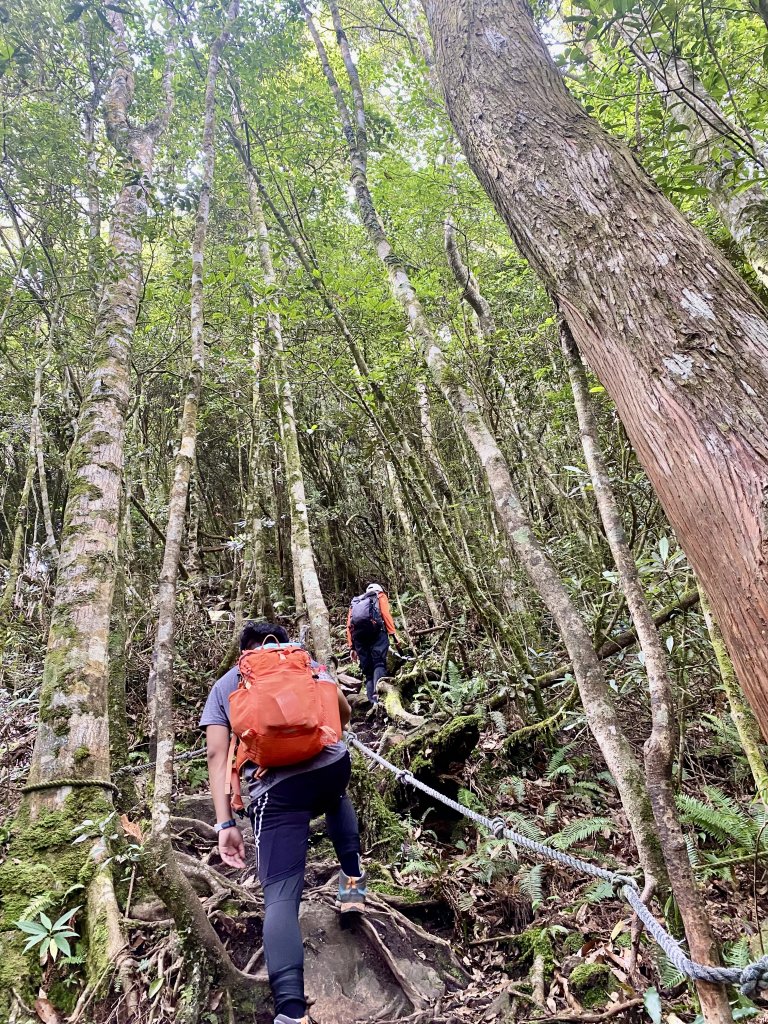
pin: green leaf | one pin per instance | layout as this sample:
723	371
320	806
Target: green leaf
64	919
32	927
62	944
46	921
652	1004
664	548
155	987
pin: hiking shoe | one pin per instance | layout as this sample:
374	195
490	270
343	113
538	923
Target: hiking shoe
352	893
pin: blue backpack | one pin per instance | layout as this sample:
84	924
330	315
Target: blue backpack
366	620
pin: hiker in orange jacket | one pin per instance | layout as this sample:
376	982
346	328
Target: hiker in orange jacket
369	627
283	802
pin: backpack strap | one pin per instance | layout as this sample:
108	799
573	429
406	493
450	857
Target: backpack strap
232	778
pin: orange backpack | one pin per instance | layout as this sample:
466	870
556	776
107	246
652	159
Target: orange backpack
283	711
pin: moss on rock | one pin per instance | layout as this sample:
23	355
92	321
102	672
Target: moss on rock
591	983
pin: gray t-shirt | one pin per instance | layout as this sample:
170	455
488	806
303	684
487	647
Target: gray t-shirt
216	712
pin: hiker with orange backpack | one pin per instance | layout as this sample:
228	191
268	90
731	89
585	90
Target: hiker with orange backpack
369	627
288	715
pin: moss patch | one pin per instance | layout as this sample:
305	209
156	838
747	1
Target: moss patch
592	984
537	942
378	824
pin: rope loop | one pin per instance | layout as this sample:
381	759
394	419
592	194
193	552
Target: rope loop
498	826
754	978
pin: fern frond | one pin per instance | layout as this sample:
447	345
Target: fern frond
499	722
580	830
557	761
551	812
520	823
532	884
669	975
599	891
738	954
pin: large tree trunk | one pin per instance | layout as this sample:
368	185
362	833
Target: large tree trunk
717	144
595	692
676	337
73	736
660	745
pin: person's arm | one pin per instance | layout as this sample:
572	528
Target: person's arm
345	711
231	846
386	614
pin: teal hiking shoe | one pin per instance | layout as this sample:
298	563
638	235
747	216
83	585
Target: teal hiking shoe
352	893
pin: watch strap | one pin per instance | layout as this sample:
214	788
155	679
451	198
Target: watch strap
220	826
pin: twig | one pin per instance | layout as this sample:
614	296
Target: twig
592	1018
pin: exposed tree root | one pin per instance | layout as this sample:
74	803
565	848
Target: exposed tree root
393	702
170	883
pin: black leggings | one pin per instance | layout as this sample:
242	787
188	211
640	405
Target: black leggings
280	820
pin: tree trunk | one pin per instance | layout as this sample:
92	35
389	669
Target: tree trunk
676	337
420	569
73	735
8	598
716	143
301	539
661	744
595	692
160	683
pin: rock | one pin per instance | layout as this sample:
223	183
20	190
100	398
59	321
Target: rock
342	973
200	806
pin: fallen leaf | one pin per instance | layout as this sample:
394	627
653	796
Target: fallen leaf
131	828
46	1011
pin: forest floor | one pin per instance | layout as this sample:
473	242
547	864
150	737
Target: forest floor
511	940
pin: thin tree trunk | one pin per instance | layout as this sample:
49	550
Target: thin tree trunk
741	713
8	597
676	337
420	569
301	539
661	744
595	692
160	683
716	143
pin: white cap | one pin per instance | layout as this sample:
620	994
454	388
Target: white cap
374	588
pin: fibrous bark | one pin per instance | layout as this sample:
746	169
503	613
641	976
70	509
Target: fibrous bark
675	336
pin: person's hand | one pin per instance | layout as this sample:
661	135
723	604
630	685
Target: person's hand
353	656
231	848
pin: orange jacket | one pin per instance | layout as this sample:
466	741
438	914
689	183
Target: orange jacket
386	614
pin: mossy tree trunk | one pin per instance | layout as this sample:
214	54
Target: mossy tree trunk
70	767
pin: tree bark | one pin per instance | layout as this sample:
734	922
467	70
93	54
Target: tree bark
716	143
676	337
73	734
595	692
660	745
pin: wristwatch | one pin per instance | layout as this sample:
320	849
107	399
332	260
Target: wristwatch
225	824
